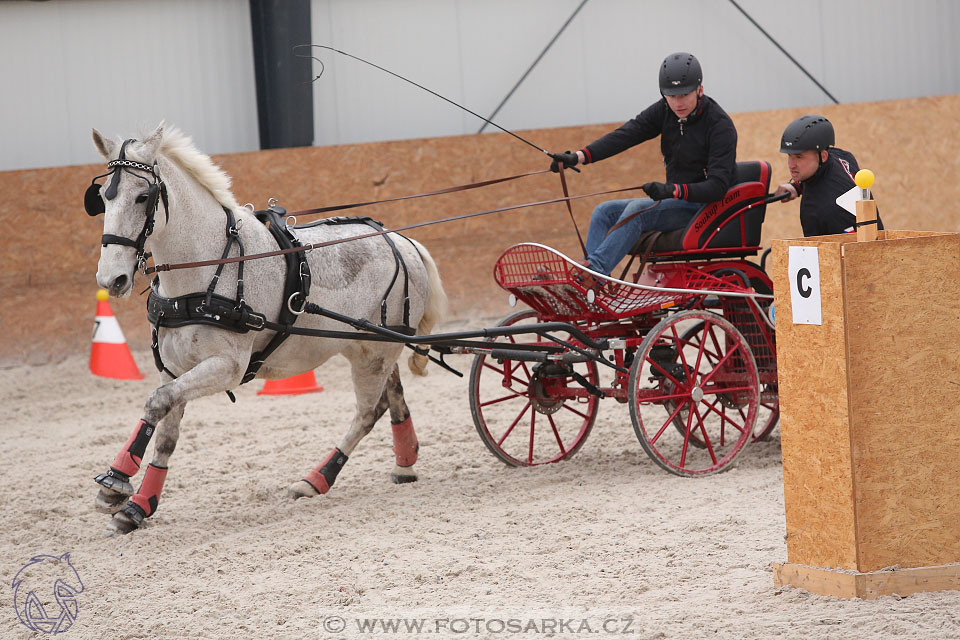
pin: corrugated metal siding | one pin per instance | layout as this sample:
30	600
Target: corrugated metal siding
122	67
68	65
604	67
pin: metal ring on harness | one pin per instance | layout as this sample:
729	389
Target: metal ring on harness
290	304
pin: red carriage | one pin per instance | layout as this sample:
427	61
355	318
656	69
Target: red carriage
687	342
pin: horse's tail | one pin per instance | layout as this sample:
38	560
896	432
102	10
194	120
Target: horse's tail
435	310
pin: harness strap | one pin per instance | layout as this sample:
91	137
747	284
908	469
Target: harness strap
566	199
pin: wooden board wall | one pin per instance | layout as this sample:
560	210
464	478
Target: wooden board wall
49	247
904	380
814	419
870	429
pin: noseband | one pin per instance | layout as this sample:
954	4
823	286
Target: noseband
94	205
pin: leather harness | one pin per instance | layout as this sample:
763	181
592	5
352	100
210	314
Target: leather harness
213	309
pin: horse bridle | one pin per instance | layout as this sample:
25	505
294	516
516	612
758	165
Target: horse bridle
94	205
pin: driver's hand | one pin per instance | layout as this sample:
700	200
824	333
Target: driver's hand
567	159
788	189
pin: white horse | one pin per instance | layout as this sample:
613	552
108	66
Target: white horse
163	195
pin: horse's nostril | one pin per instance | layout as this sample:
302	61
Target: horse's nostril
120	284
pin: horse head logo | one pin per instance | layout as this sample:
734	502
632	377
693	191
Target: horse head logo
45	593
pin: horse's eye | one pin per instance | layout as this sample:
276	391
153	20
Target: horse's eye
141	198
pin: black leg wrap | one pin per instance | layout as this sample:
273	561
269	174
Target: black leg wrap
139	445
334	465
323	477
134	512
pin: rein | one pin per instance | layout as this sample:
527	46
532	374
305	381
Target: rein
316	245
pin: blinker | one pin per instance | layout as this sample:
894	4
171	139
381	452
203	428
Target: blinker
92	202
152	198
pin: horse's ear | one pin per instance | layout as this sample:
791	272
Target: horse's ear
151	144
105	146
65	557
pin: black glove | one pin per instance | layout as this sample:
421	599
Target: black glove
569	161
659	190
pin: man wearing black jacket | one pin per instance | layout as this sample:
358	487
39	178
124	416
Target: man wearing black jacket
699	146
819	174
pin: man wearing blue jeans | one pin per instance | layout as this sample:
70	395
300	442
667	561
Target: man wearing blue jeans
699	146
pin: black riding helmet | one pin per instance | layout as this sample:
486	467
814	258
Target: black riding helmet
679	74
808	133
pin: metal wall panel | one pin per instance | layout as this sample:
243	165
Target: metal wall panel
122	67
604	66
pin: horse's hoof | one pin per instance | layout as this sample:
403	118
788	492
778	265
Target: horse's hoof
114	482
403	478
109	501
301	489
121	524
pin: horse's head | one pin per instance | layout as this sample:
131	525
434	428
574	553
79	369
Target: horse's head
128	198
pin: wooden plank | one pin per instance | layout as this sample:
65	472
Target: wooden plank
903	582
870	585
814	432
866	219
904	366
815	580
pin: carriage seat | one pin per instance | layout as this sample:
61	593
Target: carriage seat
727	228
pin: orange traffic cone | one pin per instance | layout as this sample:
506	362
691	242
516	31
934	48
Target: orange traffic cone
303	383
110	356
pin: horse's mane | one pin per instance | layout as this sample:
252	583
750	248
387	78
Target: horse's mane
179	148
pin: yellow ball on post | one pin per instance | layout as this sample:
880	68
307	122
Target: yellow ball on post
864	178
102	295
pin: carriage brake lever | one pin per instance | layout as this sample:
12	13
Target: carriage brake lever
586	384
439	361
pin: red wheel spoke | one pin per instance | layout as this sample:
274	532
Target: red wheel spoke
666	373
703	430
572	410
503	372
725	419
686	435
666	424
513	424
556	434
717	367
503	399
533	422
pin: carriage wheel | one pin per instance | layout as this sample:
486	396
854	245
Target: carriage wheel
523	411
705	381
768	413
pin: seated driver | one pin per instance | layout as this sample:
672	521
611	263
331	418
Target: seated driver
699	146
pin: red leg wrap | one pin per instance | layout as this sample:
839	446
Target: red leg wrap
128	460
323	477
148	495
405	444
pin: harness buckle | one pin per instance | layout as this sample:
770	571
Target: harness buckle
251	316
290	303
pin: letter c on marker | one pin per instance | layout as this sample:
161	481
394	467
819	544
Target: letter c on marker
801	274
